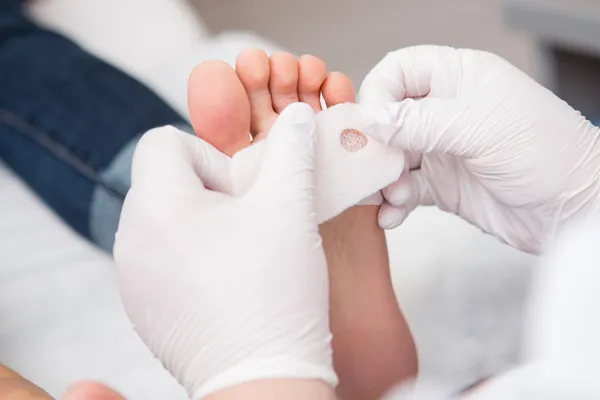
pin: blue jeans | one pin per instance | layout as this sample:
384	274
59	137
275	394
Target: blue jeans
69	123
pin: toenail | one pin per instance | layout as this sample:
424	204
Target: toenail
353	140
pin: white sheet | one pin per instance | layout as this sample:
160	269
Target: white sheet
60	316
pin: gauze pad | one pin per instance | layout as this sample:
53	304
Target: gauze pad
351	167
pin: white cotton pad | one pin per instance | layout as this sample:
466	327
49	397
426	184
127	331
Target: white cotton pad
351	166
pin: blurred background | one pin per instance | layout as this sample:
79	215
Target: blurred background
352	35
463	292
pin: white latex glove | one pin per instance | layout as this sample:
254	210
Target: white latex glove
227	290
485	142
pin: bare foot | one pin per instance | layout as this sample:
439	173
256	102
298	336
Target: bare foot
373	348
219	107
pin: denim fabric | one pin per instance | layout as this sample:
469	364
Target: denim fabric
68	122
107	199
11	3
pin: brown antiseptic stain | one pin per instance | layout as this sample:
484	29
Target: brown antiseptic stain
353	140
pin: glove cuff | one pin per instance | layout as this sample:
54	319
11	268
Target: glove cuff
274	368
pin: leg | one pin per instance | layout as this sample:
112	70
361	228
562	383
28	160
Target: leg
68	124
372	343
373	347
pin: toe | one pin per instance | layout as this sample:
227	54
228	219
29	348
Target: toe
218	106
312	72
338	89
284	80
252	67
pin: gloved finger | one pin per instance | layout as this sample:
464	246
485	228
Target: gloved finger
390	217
410	191
288	166
423	126
419	190
408	73
399	192
168	160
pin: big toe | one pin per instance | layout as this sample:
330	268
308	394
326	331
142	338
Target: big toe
219	107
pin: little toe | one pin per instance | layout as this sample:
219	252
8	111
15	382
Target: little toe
253	70
338	89
218	106
312	72
284	80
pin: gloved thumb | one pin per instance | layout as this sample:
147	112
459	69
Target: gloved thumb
429	125
287	170
167	160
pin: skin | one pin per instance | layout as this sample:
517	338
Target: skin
373	347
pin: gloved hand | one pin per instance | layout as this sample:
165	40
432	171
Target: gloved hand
227	290
485	142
